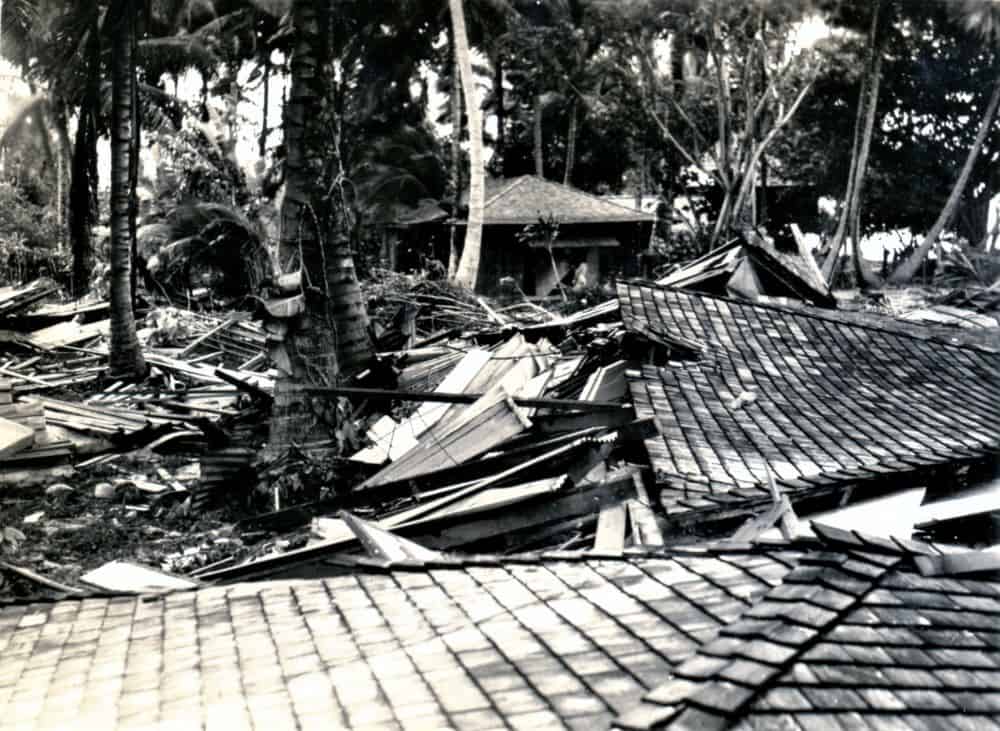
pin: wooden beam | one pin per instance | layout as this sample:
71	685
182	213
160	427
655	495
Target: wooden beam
464	398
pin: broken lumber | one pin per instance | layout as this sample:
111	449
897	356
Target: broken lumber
381	544
464	398
612	524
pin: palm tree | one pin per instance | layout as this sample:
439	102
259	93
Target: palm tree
330	339
981	17
863	130
82	209
468	265
125	355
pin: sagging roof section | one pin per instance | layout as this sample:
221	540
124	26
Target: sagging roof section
818	400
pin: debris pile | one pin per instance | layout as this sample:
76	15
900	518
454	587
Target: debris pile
669	494
662	416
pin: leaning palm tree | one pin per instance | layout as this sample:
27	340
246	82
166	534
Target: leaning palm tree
468	266
981	17
329	339
125	355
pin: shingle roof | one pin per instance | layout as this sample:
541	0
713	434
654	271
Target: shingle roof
844	632
833	402
854	638
525	199
476	643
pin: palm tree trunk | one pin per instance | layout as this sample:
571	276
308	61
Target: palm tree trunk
501	112
456	155
125	356
571	132
468	266
133	162
908	269
864	127
330	340
83	170
262	140
537	137
865	276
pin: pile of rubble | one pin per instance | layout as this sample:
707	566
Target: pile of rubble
675	509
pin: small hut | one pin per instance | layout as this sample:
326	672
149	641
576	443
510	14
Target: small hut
605	237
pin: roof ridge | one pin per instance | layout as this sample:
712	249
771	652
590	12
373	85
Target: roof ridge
723	678
809	313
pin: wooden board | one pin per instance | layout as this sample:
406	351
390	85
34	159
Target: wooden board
394	439
14	437
123	576
611	525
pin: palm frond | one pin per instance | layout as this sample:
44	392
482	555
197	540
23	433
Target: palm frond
177	53
979	17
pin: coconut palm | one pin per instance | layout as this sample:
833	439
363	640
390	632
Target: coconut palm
330	340
468	265
125	355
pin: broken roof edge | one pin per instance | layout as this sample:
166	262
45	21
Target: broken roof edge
809	311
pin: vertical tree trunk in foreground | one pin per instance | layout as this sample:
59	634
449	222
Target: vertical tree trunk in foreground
456	156
83	170
330	340
468	266
501	145
126	357
909	268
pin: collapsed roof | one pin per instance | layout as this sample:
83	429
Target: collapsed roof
817	401
843	632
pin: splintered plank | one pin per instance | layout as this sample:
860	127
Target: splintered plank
611	524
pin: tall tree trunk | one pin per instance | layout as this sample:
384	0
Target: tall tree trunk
456	155
125	356
468	266
501	112
864	128
865	276
571	132
133	161
537	136
330	339
908	268
83	170
262	140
